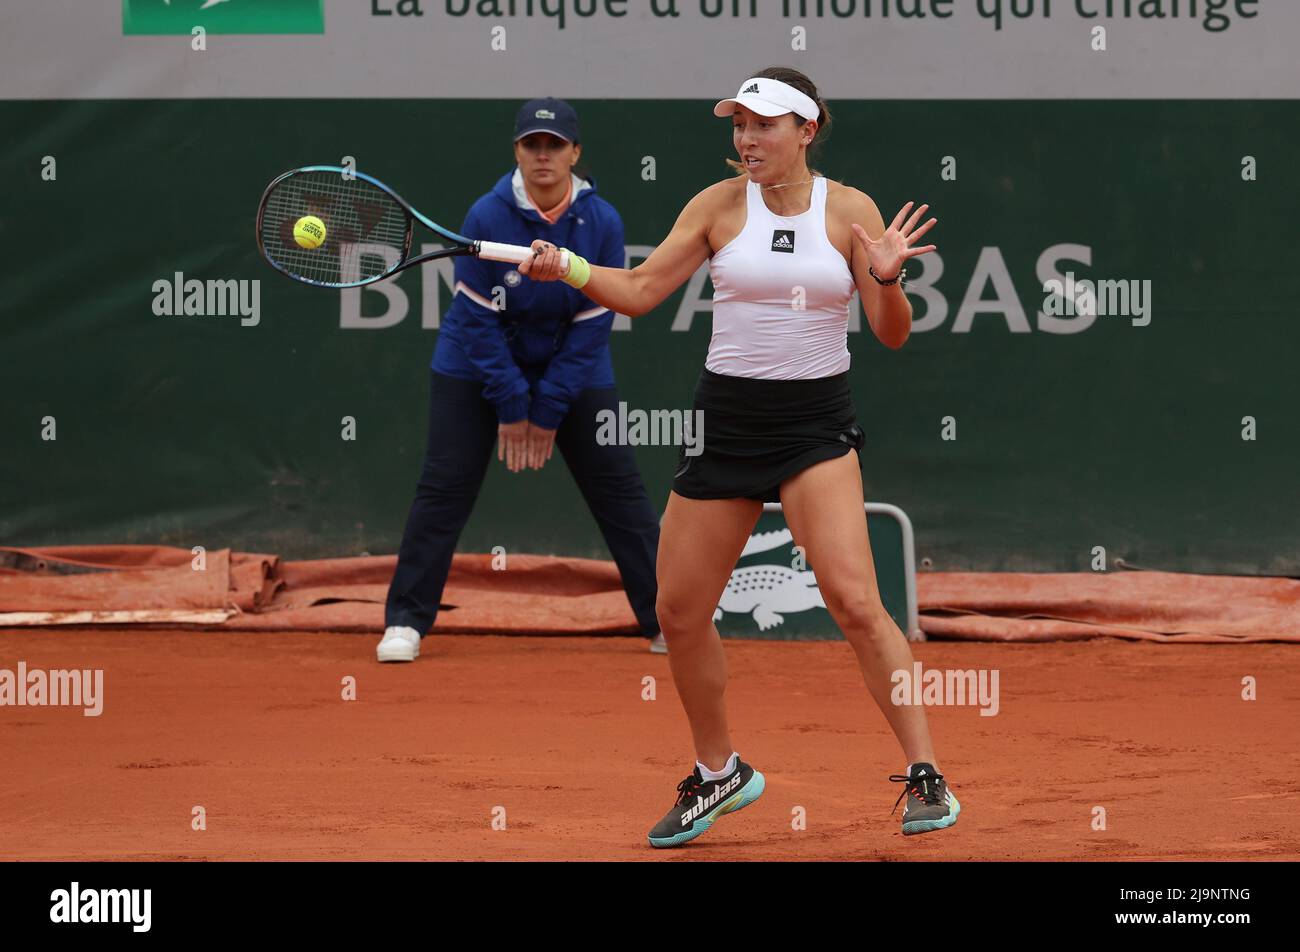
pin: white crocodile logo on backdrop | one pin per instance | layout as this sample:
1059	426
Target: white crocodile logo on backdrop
766	541
763	591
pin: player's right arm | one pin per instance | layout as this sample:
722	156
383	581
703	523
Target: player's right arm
637	290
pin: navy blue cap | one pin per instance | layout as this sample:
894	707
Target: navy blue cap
547	115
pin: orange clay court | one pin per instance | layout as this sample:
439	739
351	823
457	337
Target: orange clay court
252	727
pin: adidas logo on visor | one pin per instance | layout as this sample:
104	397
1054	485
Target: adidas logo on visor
751	88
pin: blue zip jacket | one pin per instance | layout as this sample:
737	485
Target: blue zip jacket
535	345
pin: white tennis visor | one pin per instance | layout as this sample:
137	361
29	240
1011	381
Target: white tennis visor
769	97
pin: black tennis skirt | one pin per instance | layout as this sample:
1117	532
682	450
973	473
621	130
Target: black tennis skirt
758	433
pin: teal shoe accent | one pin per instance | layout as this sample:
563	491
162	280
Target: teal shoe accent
926	826
743	798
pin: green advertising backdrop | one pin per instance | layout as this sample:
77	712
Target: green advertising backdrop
202	431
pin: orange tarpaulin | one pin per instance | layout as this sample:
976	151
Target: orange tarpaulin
1152	606
244	591
107	584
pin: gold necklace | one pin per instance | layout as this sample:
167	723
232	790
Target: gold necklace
788	184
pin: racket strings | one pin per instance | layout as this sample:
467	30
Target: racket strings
367	232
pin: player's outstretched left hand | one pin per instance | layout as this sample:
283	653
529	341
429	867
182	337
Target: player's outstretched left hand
887	253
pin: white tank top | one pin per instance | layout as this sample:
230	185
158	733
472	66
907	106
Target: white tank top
761	327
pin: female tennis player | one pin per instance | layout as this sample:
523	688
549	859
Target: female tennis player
525	366
786	248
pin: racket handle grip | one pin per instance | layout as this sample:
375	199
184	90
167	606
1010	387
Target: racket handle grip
496	251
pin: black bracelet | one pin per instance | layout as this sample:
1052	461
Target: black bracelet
902	273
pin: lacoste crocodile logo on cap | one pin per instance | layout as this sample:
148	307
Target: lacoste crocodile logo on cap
222	16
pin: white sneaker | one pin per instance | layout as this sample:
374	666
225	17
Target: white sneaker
399	644
658	645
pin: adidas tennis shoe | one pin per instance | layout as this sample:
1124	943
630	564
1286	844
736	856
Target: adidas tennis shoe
930	804
700	802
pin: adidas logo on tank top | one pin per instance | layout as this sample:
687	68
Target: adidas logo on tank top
783	241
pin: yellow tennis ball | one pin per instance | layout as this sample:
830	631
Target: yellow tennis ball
309	232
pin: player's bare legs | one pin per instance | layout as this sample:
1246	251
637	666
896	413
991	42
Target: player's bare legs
823	507
700	541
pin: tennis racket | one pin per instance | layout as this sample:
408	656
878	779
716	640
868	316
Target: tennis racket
361	228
